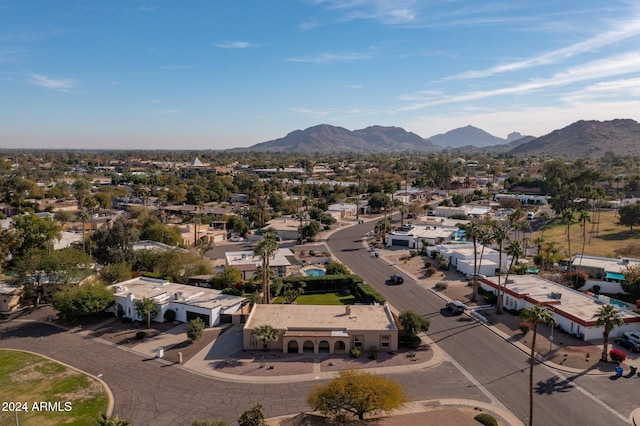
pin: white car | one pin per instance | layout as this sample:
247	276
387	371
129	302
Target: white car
632	335
236	239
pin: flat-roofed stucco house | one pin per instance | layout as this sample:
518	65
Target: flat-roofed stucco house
188	302
323	329
573	311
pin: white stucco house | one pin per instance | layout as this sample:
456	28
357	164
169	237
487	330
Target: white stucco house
572	310
188	302
460	257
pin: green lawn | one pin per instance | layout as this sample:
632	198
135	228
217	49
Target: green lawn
73	398
322	299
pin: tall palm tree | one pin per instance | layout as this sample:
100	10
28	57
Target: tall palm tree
516	251
568	218
534	315
83	216
583	218
266	333
473	234
500	235
485	237
545	218
267	246
609	317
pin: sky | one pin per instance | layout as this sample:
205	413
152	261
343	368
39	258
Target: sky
217	74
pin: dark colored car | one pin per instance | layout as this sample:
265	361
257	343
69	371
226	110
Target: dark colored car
629	345
456	307
396	279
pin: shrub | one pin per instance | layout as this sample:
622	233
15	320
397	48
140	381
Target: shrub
441	285
576	279
486	419
170	315
373	355
617	356
524	327
195	329
428	264
490	297
596	289
431	270
355	353
413	253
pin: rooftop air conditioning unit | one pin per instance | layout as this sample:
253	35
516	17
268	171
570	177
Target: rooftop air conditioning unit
625	261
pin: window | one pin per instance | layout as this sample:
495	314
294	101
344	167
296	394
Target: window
385	342
358	342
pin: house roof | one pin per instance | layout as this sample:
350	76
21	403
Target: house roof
303	318
162	291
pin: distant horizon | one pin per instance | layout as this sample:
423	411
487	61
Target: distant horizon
223	75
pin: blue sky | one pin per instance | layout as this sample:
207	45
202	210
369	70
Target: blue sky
225	73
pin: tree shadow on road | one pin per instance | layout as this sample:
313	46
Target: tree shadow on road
553	385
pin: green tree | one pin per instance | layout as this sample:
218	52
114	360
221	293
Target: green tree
35	232
75	301
472	231
629	215
379	201
266	333
229	276
266	248
147	308
337	268
568	218
534	315
609	318
516	251
114	244
195	329
105	420
357	393
310	230
254	416
116	273
412	323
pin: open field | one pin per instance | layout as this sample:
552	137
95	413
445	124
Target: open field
47	393
611	237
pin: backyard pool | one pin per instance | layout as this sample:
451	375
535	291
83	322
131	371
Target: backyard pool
314	272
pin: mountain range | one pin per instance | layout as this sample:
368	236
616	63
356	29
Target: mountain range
580	139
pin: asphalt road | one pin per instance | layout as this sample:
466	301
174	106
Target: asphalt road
499	367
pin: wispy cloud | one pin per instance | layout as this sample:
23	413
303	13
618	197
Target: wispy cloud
389	12
60	84
608	67
353	86
310	112
323	58
623	31
166	111
235	45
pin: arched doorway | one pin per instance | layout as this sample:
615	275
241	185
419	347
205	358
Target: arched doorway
292	347
323	347
119	310
308	346
339	347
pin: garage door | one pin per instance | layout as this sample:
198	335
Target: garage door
401	243
203	317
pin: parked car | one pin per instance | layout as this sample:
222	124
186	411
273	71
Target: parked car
632	335
456	307
629	344
396	279
236	239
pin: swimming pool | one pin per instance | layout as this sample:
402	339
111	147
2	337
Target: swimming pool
314	272
614	302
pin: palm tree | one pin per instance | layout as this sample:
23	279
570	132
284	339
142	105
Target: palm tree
500	235
516	251
534	315
583	218
609	317
545	218
83	216
403	210
568	218
266	333
473	234
485	237
538	241
267	246
382	227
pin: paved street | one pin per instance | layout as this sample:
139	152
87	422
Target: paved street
497	365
